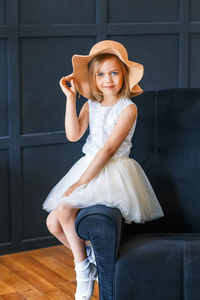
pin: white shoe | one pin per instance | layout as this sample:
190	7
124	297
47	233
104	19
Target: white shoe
91	281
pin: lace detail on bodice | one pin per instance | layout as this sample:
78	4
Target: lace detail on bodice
102	120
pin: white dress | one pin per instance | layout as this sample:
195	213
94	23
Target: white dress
121	183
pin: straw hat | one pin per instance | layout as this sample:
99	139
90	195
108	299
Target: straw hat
80	67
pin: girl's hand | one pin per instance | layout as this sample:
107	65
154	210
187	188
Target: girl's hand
71	189
68	91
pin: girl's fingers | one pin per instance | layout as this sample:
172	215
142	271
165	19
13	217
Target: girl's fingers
65	194
65	87
68	78
73	85
63	80
63	83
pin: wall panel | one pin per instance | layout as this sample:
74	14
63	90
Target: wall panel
57	12
128	11
2	11
3	89
194	10
194	50
5	209
43	62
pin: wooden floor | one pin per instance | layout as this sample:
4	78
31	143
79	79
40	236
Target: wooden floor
43	274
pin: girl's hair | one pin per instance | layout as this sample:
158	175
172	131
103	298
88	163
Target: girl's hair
93	67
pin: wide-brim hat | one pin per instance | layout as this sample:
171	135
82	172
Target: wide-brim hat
81	74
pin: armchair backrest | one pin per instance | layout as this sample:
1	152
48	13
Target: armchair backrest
166	143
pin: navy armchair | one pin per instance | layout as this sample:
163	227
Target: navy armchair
161	258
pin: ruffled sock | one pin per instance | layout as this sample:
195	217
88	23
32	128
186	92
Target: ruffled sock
83	272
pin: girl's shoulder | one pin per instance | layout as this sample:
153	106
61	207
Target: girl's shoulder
127	101
93	107
124	103
91	102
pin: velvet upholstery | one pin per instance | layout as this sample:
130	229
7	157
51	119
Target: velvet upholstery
161	258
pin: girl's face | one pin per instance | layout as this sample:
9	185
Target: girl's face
109	78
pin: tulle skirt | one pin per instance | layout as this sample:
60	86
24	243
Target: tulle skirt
122	183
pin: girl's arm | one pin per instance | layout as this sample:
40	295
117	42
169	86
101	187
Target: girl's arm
74	127
125	122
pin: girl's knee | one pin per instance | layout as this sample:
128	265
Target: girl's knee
65	213
53	224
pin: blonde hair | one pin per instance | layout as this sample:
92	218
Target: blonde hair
93	67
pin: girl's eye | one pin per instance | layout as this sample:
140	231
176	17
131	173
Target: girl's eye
114	73
100	74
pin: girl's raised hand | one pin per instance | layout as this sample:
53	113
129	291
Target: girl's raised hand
68	91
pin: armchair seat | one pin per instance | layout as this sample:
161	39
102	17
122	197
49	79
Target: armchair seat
159	266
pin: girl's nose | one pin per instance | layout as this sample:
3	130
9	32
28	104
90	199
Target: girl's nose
108	78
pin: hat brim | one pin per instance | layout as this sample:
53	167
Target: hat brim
81	75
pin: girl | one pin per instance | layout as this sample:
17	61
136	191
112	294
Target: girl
105	174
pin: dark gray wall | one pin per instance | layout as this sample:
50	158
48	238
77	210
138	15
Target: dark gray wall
37	40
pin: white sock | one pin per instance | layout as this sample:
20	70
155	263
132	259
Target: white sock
82	271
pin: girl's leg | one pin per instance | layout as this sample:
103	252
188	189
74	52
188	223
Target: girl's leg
61	224
55	228
66	217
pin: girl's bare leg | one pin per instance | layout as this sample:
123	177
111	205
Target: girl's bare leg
60	223
66	217
55	228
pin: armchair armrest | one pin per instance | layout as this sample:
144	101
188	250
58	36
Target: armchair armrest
102	226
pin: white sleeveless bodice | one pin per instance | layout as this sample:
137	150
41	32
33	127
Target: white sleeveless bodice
102	120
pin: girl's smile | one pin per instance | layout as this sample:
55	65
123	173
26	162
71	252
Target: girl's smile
109	79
